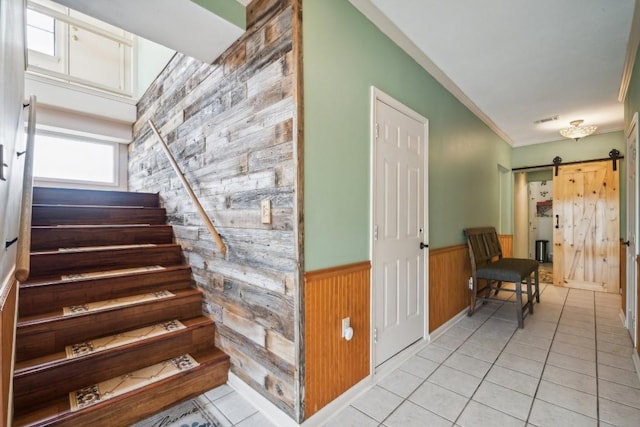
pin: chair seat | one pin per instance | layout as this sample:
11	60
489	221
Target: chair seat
508	269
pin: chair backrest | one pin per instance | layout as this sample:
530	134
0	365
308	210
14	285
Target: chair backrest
484	245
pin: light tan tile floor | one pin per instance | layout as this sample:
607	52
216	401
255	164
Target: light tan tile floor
570	366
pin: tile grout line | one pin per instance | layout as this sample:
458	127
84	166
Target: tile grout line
405	399
544	365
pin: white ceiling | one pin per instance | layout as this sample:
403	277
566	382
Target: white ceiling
516	61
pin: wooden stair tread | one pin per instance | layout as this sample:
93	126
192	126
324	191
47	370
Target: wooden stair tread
56	280
61	263
44	195
94	248
58	314
54	237
211	372
94	215
27	367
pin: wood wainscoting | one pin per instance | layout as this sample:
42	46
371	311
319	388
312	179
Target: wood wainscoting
623	276
449	272
506	241
333	364
8	299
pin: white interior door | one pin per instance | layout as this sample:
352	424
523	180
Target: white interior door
399	228
632	226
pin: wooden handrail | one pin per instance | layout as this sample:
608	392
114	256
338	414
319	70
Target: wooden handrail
194	198
23	262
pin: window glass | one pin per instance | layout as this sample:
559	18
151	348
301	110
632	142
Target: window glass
68	159
41	35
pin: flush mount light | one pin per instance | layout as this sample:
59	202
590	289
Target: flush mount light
576	131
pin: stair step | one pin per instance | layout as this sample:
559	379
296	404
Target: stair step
70	262
95	215
134	404
40	296
54	237
66	196
47	333
102	358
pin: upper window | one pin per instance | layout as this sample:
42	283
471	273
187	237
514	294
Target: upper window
41	33
74	48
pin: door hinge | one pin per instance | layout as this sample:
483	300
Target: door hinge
375	335
377	130
375	232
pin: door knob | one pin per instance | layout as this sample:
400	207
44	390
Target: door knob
627	243
422	245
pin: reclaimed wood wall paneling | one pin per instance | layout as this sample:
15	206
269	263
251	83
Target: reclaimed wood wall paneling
333	365
232	126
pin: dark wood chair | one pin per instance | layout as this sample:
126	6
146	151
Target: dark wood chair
488	264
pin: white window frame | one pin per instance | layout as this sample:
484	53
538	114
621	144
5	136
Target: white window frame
61	60
71	136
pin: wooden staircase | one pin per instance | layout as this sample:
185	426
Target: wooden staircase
109	301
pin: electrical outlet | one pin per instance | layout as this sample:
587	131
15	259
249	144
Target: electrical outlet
265	211
346	323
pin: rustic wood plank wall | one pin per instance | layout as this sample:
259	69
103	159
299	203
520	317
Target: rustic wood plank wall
232	127
333	364
449	272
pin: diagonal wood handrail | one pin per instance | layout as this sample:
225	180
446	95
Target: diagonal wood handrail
194	198
23	261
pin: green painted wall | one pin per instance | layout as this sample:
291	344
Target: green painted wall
231	10
632	100
591	147
344	55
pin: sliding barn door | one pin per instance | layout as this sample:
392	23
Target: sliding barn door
587	232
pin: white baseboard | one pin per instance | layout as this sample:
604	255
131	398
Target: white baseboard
636	362
443	328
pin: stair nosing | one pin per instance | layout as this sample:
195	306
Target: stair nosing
52	282
215	357
177	294
194	323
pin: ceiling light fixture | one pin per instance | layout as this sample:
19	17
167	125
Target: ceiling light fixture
576	131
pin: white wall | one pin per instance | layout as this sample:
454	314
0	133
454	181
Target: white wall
11	127
151	58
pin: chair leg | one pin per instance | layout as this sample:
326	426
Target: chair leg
472	297
519	304
537	285
498	286
529	295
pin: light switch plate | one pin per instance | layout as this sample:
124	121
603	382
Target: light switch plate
265	211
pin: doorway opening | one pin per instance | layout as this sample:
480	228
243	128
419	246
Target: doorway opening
541	226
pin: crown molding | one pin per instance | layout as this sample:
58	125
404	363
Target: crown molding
384	24
630	56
